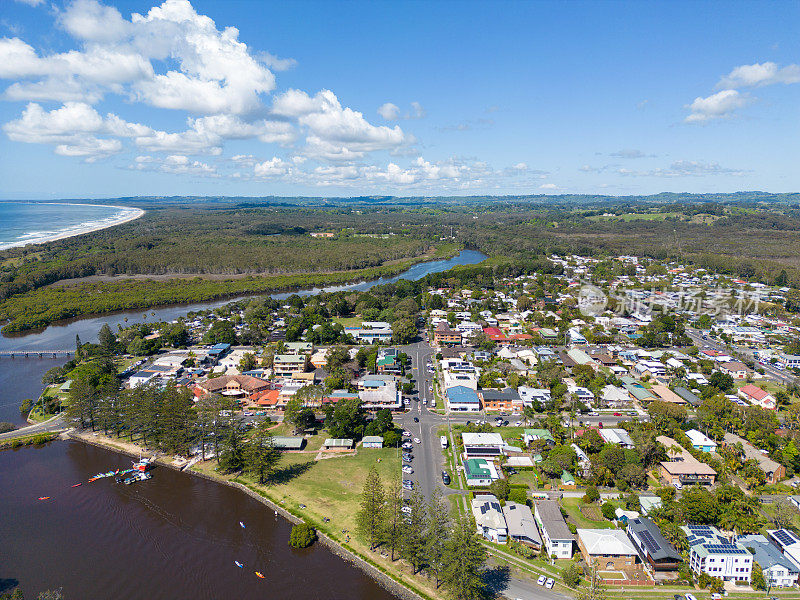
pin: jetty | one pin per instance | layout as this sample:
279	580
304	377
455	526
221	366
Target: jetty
35	353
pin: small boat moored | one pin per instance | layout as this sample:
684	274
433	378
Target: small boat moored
259	575
238	564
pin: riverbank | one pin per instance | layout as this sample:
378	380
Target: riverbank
129	213
49	305
390	575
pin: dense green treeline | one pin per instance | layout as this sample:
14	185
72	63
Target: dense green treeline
46	305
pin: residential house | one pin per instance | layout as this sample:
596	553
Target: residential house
687	395
700	441
556	535
757	396
779	570
653	368
479	472
617	436
529	435
773	470
387	396
652	546
667	395
489	519
609	549
789	361
683	468
371	332
734	368
714	554
530	395
462	399
521	525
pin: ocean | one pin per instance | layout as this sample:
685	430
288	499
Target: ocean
35	222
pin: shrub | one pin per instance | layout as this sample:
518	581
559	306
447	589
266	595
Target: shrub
302	536
608	511
591	495
500	488
571	575
6	426
518	495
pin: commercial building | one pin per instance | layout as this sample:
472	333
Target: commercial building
462	399
712	553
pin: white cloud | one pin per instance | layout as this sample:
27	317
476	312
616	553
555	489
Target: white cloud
760	74
548	186
336	133
389	111
175	164
91	21
684	168
630	153
90	148
31	2
717	106
272	167
275	63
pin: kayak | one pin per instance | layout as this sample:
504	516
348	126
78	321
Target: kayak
259	575
238	564
45	498
242	524
77	485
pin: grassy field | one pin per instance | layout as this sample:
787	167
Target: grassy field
579	519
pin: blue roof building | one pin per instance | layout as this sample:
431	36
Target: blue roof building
462	398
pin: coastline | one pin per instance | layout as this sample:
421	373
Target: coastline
130	213
350	555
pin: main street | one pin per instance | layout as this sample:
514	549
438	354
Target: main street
707	343
428	462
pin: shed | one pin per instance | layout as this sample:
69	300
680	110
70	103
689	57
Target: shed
372	441
289	442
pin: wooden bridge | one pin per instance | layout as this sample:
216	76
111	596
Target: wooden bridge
35	353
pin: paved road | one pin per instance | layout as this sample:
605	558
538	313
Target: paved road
55	424
428	461
775	374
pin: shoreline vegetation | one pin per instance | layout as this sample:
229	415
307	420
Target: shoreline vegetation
390	575
131	214
48	305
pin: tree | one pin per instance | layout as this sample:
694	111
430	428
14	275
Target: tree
302	536
403	331
414	533
571	575
595	589
347	420
757	577
248	362
699	505
107	340
608	511
391	531
261	455
370	517
784	514
500	488
464	559
591	495
438	532
721	381
232	458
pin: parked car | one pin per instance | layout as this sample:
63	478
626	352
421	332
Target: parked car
407	469
417	441
445	478
406	509
542	579
617	414
416	419
690	597
549	583
406	433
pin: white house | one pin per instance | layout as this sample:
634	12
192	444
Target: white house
489	519
482	444
701	441
557	537
712	553
779	570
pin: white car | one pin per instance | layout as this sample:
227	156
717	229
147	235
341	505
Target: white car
406	509
518	424
690	597
541	580
408	470
417	441
406	433
550	583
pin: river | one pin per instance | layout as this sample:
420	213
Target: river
175	536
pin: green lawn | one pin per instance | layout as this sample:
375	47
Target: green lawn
348	321
529	478
577	518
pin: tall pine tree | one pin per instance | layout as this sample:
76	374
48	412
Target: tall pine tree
464	558
370	517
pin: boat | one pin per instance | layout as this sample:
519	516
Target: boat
238	564
259	575
242	524
44	498
143	464
136	476
77	485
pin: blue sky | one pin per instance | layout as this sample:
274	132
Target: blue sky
407	98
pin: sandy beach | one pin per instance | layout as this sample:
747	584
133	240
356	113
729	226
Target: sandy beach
129	213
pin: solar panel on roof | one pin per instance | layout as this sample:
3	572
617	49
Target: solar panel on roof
784	537
652	545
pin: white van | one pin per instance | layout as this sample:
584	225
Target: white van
443	441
